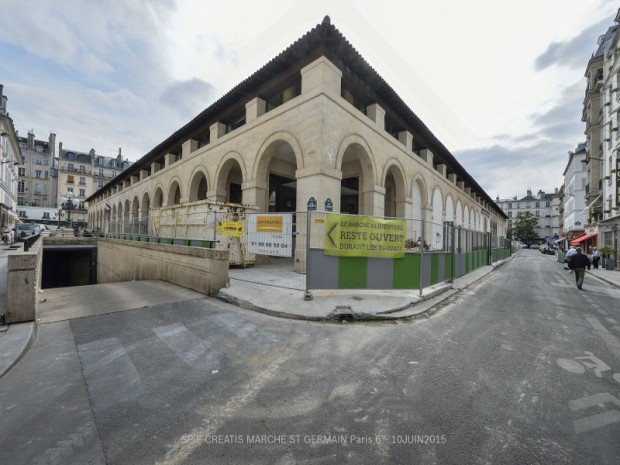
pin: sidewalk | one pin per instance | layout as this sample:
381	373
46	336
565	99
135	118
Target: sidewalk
347	304
14	339
609	276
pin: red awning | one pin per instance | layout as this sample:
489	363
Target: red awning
561	239
582	238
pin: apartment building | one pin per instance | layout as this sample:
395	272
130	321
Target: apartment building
37	185
545	207
10	159
80	174
609	227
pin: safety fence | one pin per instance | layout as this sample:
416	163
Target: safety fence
433	253
372	252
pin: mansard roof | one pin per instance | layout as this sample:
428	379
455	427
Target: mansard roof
323	40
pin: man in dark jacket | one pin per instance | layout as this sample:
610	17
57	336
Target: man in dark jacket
578	263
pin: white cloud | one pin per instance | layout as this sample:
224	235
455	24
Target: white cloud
107	74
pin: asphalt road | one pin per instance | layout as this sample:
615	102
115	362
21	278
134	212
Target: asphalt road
521	368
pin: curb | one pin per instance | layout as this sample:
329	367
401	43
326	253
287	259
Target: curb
611	283
23	342
434	297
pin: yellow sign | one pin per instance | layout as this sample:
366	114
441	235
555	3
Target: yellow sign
269	224
230	228
364	236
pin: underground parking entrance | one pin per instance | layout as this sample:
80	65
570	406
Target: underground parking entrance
69	265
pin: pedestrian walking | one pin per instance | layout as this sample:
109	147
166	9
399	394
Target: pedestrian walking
569	253
596	258
578	263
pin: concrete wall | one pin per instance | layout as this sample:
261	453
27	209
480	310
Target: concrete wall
23	282
200	269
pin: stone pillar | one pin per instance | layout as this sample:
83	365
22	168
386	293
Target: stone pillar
377	114
406	138
427	156
321	186
216	131
442	169
373	201
155	167
254	194
321	74
169	159
255	108
144	174
188	147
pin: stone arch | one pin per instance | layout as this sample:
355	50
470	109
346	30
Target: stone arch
357	165
158	197
261	164
230	176
436	236
395	189
449	208
276	181
459	213
174	193
199	184
466	217
419	198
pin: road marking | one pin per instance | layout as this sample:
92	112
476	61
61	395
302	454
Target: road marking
612	341
194	351
109	372
594	421
185	445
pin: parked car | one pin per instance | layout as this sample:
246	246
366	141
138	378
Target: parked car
23	230
45	231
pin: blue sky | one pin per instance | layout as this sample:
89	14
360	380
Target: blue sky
499	82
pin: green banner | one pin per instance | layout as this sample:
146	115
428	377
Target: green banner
364	236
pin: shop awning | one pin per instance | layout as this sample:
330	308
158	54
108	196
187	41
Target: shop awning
561	239
582	238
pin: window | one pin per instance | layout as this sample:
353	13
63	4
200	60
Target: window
46	215
38	161
114	174
39	189
509	205
537	213
101	172
70	179
20	186
100	183
70	190
82	192
21	171
82	181
71	167
537	204
38	174
547	204
82	169
38	148
47	174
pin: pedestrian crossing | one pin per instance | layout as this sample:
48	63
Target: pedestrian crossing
201	346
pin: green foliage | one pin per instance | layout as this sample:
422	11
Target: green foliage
606	252
523	227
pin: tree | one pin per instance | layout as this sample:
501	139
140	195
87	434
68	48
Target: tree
523	227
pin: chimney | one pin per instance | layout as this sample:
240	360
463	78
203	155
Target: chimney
541	194
529	192
3	100
52	144
556	190
30	140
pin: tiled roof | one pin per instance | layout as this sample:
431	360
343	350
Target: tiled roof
323	40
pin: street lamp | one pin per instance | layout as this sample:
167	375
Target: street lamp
69	204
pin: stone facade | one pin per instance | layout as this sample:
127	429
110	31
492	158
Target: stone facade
325	126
